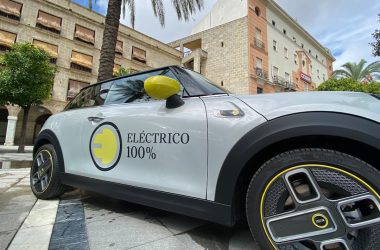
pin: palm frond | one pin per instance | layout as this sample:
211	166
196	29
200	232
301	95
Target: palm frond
159	11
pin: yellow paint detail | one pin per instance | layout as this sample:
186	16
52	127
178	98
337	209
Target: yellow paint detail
304	166
161	87
324	217
108	146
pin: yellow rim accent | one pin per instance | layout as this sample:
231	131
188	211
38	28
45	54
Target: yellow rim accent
52	166
304	166
324	217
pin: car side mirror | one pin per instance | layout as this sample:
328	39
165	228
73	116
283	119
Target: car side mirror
164	88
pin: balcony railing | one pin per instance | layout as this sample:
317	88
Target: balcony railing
287	84
260	73
259	44
278	80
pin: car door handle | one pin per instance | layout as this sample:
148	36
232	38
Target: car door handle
95	119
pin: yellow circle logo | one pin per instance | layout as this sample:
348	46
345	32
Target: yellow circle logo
320	220
105	146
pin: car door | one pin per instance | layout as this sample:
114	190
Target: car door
137	141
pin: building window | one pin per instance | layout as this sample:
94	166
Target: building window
309	51
295	59
318	74
139	54
258	41
303	63
81	61
7	39
284	30
74	87
323	61
324	77
286	53
311	68
306	86
273	23
49	48
259	68
260	90
259	63
85	35
275	71
119	47
49	22
116	69
302	45
316	57
287	77
257	11
274	45
222	83
10	9
294	39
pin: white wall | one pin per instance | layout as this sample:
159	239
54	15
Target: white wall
287	65
224	11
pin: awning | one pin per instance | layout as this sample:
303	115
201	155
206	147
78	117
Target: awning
11	7
81	59
84	34
139	54
7	38
49	21
50	48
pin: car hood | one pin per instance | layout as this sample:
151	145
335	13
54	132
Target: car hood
272	106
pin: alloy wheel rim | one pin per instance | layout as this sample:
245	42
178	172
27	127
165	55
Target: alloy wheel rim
318	207
42	170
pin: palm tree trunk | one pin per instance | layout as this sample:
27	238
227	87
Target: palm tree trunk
23	130
107	53
90	4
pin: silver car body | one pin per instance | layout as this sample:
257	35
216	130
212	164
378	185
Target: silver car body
190	169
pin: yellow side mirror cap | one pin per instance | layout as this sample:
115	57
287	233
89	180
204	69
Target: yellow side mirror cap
161	87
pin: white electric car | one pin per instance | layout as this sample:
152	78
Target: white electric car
301	168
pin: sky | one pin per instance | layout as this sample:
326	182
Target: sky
343	26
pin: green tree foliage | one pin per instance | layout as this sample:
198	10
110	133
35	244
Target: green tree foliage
124	72
26	79
359	71
376	44
348	84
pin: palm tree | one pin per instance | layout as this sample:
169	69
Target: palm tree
359	72
184	9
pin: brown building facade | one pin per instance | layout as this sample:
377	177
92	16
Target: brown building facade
254	46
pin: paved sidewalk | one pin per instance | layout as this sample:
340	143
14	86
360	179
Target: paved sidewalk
16	157
83	220
16	201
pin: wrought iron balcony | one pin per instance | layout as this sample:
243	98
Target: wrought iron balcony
259	44
260	73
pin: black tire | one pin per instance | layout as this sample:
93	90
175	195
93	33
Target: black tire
53	187
270	196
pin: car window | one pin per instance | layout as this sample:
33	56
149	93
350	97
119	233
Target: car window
211	87
131	89
91	96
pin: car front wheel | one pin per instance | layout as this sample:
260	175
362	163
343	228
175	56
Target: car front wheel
315	199
44	174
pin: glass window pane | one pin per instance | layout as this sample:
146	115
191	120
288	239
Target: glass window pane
131	89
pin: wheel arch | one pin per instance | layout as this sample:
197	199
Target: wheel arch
48	137
312	129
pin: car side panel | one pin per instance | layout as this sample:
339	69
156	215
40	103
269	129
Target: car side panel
168	166
67	127
225	132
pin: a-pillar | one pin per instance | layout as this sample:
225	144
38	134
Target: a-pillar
11	126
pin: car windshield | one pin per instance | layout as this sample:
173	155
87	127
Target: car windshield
206	83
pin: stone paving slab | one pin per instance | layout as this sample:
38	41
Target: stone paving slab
16	156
